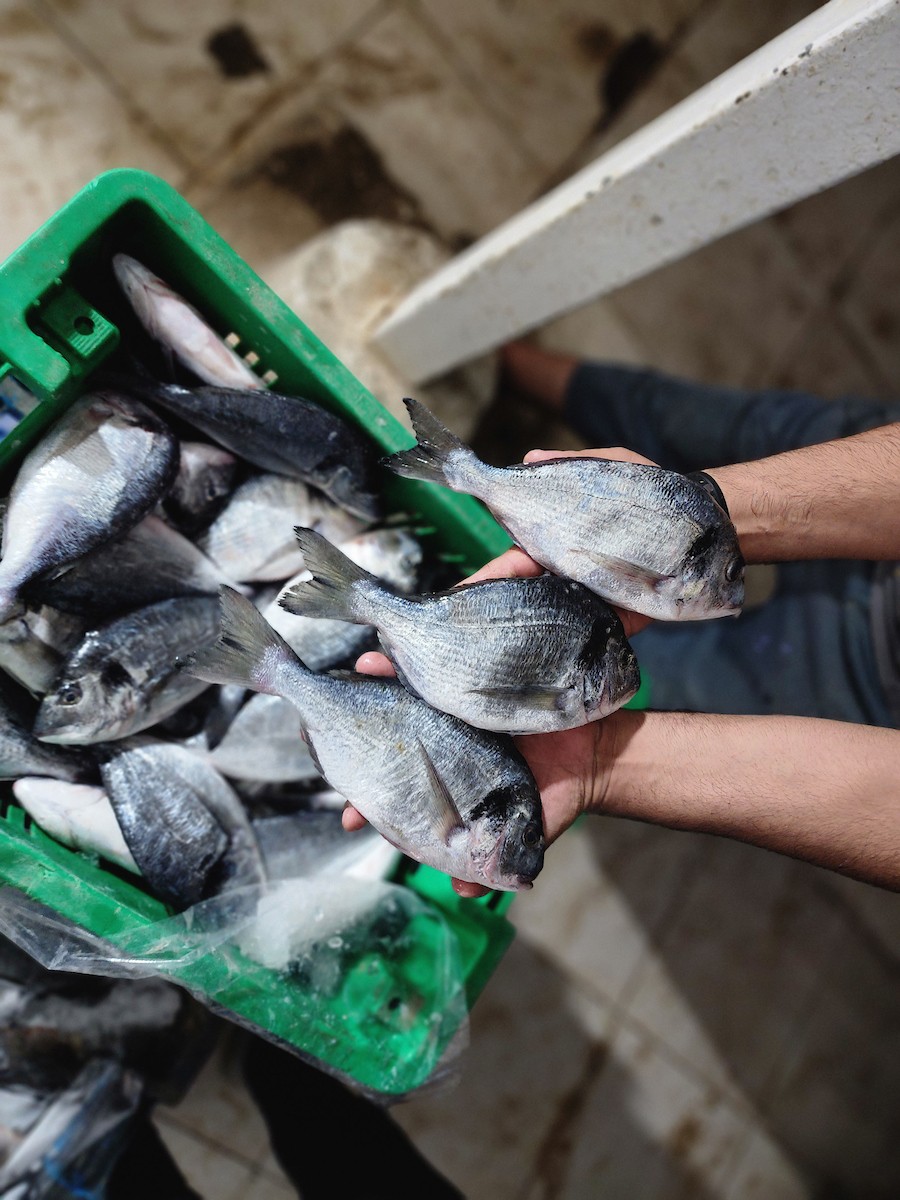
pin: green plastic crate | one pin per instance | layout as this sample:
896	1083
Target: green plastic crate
58	323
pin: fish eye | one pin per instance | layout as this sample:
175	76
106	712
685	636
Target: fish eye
69	693
734	569
531	835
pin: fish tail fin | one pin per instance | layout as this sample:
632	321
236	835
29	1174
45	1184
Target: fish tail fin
428	459
247	651
331	592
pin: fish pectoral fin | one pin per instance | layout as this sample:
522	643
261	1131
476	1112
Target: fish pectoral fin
533	695
627	570
312	752
446	814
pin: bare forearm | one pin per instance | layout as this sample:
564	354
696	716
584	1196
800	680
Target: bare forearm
835	500
823	791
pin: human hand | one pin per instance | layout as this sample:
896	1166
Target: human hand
564	764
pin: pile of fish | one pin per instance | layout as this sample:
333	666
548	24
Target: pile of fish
163	538
77	1057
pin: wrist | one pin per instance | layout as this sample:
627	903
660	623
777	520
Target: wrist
769	522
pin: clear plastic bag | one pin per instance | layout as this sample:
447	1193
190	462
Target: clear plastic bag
360	977
66	1145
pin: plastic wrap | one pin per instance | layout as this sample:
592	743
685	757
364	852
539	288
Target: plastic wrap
360	977
65	1145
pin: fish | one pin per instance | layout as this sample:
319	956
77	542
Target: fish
33	645
76	814
306	844
123	677
203	483
185	827
264	743
517	656
100	469
287	435
77	1125
457	798
22	754
150	563
641	537
252	539
180	328
390	554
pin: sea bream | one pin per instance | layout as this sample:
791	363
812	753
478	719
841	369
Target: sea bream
178	326
123	677
22	754
457	798
514	655
252	538
100	469
185	827
389	554
203	483
77	815
285	434
151	562
646	539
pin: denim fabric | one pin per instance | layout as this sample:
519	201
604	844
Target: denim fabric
808	651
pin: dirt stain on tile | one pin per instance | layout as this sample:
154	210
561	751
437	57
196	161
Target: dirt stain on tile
236	53
684	1137
339	174
553	1154
631	67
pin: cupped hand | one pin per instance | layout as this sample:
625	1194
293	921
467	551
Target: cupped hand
566	765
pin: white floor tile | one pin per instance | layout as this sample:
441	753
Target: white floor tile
59	127
164	57
532	1045
736	973
211	1173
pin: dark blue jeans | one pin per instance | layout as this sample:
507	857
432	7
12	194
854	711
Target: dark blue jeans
808	650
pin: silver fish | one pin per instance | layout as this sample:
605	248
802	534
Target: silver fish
287	435
252	539
454	797
265	743
76	814
124	676
75	1124
306	844
33	646
514	655
101	469
390	554
202	485
647	539
22	754
169	319
152	562
184	825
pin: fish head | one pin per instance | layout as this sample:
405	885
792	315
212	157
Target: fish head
390	554
88	708
711	580
611	673
508	836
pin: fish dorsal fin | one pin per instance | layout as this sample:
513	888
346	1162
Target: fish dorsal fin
446	813
626	570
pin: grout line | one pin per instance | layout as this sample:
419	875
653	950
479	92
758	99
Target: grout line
95	65
164	1118
231	149
469	79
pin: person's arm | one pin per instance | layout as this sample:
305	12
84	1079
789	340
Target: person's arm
824	791
838	499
